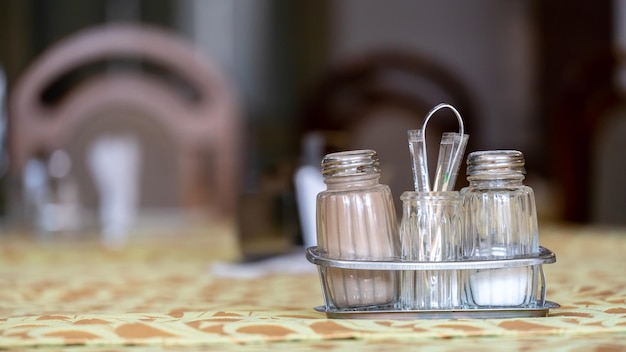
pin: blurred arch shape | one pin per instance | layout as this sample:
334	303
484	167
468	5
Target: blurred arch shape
121	79
370	100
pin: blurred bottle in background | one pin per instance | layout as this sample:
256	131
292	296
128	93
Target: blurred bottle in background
308	183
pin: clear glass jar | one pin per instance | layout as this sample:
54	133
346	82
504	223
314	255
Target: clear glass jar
500	223
356	220
430	230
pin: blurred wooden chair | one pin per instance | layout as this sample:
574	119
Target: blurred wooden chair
589	123
125	79
371	101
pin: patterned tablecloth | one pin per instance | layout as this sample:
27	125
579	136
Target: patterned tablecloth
163	293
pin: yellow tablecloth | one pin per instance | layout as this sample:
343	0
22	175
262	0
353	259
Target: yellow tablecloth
160	293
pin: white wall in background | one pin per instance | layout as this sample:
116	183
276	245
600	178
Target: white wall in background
235	35
487	43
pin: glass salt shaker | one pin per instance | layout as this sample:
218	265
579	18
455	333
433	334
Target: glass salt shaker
500	223
356	220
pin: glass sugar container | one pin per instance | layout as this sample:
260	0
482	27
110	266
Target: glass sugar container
500	223
356	220
430	231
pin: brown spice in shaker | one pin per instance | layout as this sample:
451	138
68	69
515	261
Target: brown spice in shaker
356	220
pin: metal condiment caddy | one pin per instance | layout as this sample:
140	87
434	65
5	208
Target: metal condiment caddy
472	253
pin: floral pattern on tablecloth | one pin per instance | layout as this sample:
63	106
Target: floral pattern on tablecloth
162	294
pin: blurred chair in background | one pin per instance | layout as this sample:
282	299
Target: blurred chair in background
144	95
4	162
589	129
588	139
3	120
608	175
371	101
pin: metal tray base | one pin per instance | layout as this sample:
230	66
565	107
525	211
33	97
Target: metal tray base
479	313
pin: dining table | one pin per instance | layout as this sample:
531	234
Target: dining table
193	290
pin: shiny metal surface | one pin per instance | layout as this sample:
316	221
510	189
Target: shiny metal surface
482	313
545	256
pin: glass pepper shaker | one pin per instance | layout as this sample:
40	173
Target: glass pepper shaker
356	220
500	223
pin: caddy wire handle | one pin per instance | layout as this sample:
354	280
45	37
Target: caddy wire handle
451	151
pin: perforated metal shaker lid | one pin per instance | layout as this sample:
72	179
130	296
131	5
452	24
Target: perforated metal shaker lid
350	163
495	162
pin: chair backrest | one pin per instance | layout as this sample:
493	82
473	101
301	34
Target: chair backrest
583	114
372	100
129	78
